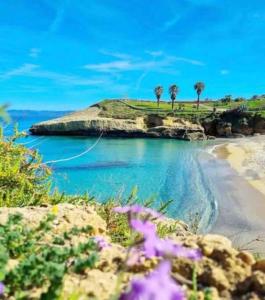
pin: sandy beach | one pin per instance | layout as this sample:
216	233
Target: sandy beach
246	156
238	173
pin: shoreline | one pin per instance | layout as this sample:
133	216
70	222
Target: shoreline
236	170
245	157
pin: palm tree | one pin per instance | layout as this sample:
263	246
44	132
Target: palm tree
173	91
158	92
199	87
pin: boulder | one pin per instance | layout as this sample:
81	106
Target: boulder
209	125
224	129
259	266
243	126
259	124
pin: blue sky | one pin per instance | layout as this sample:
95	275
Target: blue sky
57	54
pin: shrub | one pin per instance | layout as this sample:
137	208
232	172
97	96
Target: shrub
24	180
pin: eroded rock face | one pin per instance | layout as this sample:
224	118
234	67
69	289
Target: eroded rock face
234	124
90	124
224	129
259	124
94	121
231	273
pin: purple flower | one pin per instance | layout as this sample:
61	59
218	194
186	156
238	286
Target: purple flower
146	228
2	288
167	247
135	258
137	209
101	242
155	246
157	285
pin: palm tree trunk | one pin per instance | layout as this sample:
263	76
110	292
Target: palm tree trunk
198	101
172	102
158	101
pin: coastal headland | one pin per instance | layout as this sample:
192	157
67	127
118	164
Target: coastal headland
134	118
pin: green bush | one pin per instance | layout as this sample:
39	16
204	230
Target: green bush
24	180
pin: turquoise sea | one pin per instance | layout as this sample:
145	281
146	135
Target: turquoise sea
162	169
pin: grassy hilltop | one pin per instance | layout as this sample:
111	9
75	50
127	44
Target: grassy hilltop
131	109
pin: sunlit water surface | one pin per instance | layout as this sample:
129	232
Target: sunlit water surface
159	168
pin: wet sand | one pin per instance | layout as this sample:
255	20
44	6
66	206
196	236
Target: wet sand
238	175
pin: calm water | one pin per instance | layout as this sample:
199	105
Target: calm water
163	169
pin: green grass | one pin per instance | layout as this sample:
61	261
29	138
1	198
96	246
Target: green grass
256	104
252	104
164	106
131	109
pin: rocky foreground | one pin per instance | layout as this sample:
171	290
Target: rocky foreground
119	119
227	272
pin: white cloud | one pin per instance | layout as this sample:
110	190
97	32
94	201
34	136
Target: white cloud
34	71
224	72
140	79
155	53
117	65
190	61
20	71
126	65
34	52
59	16
118	55
162	63
171	22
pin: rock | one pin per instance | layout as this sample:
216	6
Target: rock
67	217
210	137
224	129
214	293
194	132
95	285
250	296
257	280
244	127
244	123
90	122
247	258
214	276
238	136
209	124
227	272
194	136
259	266
259	124
211	242
118	118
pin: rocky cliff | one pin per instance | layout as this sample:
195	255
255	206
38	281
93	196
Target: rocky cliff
94	121
234	123
119	119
